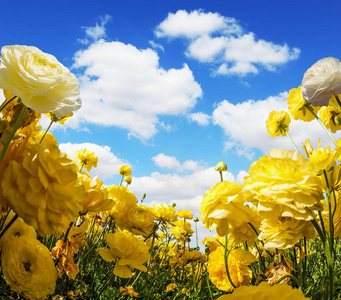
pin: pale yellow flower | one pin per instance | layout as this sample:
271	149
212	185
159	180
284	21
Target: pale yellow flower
265	291
62	119
44	190
283	183
278	123
128	249
41	82
28	268
323	157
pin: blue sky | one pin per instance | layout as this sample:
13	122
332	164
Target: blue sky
173	87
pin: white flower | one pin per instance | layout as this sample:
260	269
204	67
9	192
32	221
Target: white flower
322	80
41	82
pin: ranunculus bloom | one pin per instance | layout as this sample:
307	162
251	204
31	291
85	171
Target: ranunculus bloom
278	123
330	116
186	214
124	170
322	80
298	106
238	261
164	212
220	207
323	157
283	183
128	249
41	82
87	159
44	190
283	233
29	268
265	291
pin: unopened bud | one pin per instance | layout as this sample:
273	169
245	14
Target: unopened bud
220	167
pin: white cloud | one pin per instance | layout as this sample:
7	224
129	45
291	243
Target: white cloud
156	46
125	87
96	32
200	118
241	175
245	130
213	38
108	163
170	162
194	24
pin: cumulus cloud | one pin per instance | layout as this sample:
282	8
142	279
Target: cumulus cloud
125	87
170	162
199	117
108	162
245	130
220	40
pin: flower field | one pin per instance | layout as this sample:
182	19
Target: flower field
65	235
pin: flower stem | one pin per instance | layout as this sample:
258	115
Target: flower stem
46	131
291	140
8	225
14	130
323	126
5	103
226	254
337	108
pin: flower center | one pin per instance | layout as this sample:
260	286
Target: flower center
27	266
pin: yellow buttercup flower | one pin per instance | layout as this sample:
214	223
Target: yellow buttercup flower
128	249
171	287
128	179
238	261
124	170
87	159
164	213
323	157
29	268
96	197
186	214
44	189
298	106
41	82
213	243
278	123
18	228
182	230
265	291
193	256
283	233
62	119
283	183
220	207
129	290
122	194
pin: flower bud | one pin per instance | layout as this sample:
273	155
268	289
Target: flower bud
220	167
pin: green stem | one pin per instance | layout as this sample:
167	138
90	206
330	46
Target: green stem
5	103
286	276
208	285
337	99
319	230
226	254
292	141
46	131
221	176
8	225
337	108
14	130
323	126
121	180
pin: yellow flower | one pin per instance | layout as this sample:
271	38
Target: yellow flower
182	230
171	287
283	183
220	166
186	214
164	213
62	119
213	243
283	233
323	157
129	290
44	189
278	123
128	179
41	82
265	291
122	194
193	256
96	196
86	159
28	268
298	106
337	215
238	261
124	170
139	220
18	228
128	249
220	207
